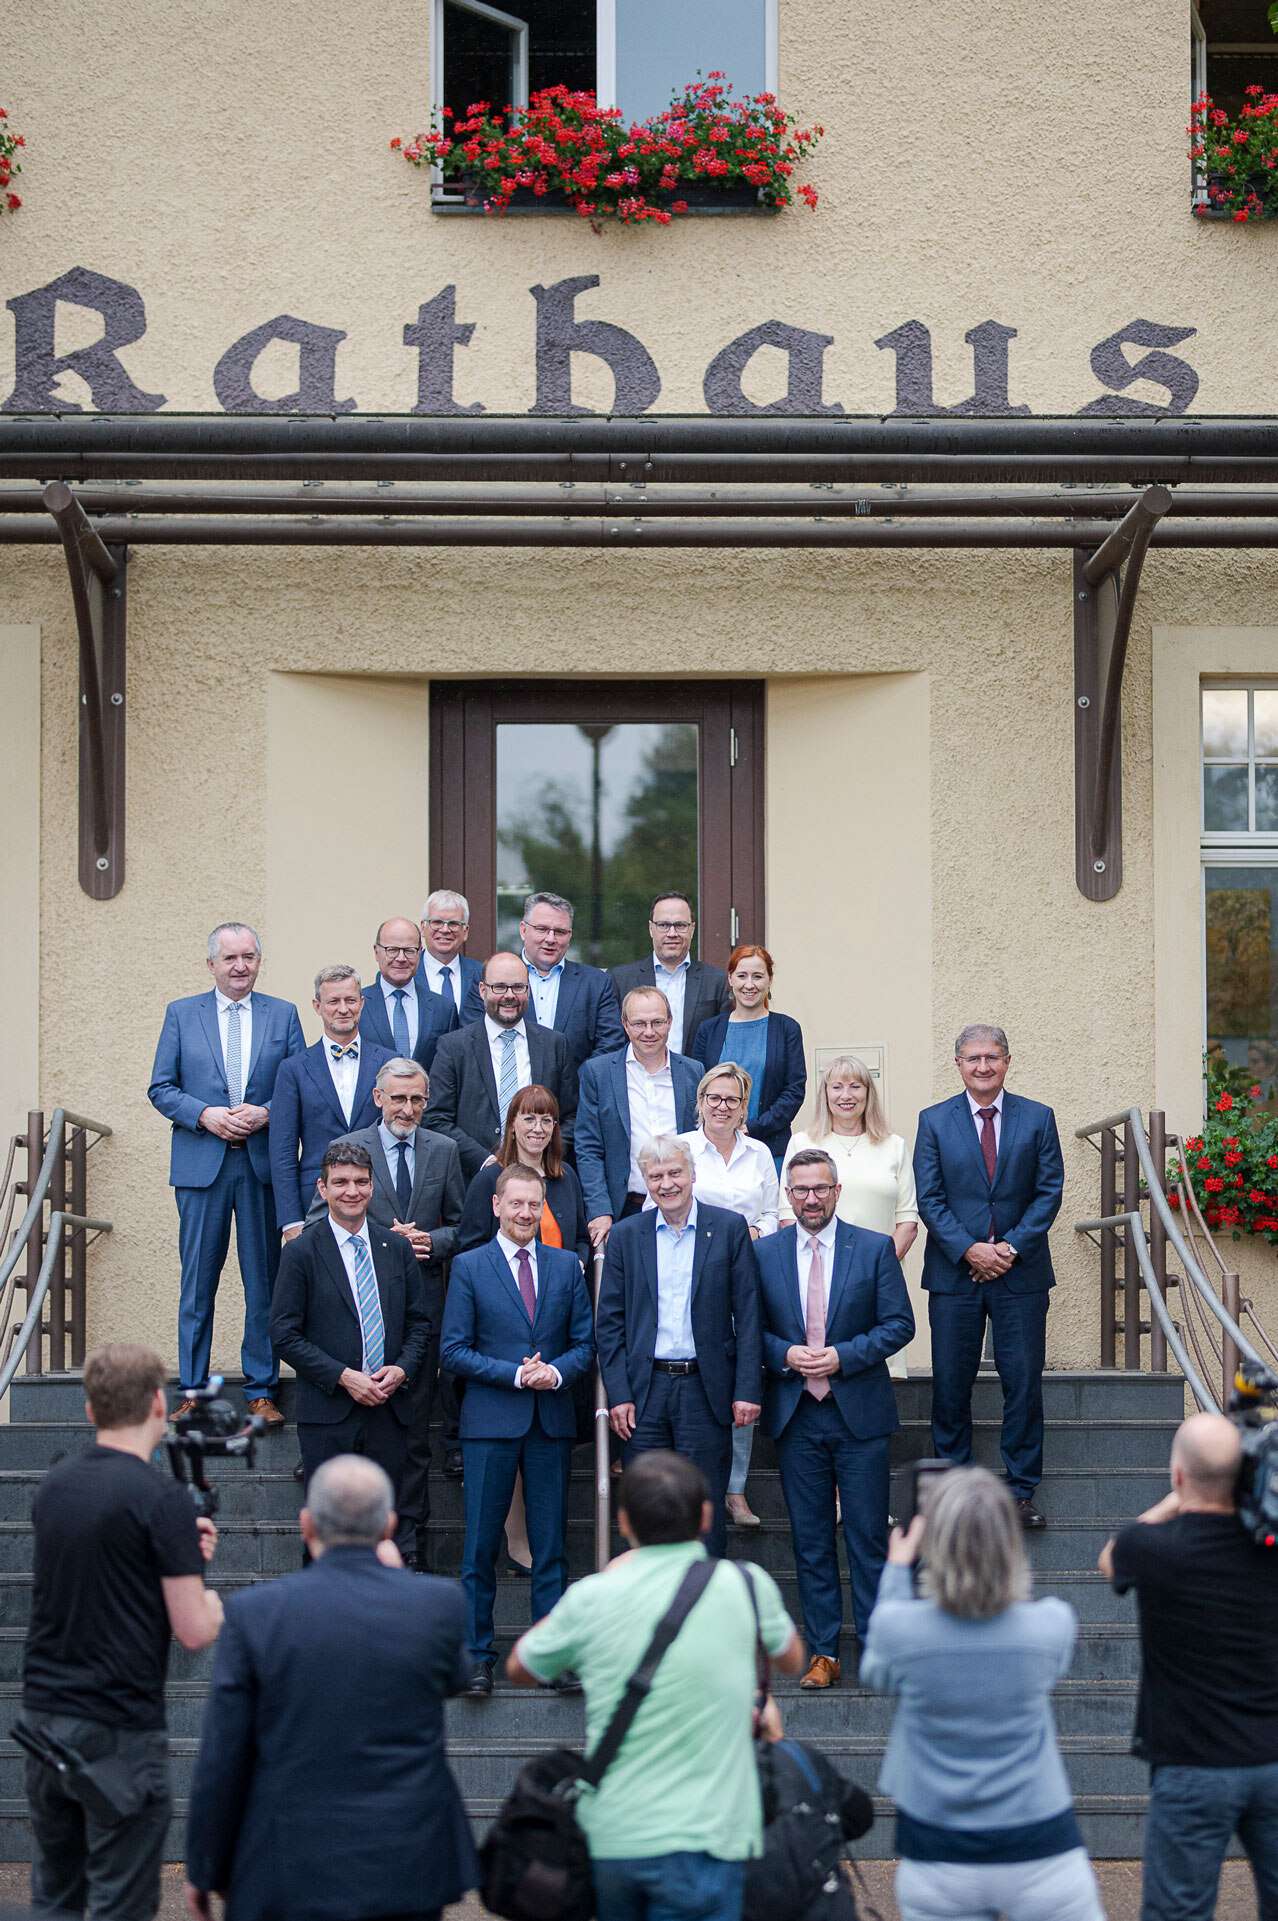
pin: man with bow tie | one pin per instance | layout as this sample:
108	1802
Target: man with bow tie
326	1092
990	1175
517	1329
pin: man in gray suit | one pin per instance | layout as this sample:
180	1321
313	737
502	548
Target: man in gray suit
695	990
418	1192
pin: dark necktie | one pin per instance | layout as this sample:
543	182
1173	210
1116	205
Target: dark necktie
399	1024
403	1185
527	1293
446	988
989	1147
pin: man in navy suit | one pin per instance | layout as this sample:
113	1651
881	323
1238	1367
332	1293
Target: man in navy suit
678	1325
834	1308
580	1002
214	1079
400	1012
517	1329
322	1786
623	1100
349	1316
326	1092
989	1173
443	969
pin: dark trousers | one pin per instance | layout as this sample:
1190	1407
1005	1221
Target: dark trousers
414	1492
1019	1322
109	1868
374	1431
818	1457
678	1416
449	1399
491	1466
204	1236
1193	1815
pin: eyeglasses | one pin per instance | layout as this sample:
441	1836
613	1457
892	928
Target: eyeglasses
446	926
982	1060
721	1100
504	993
671	926
820	1193
549	933
397	953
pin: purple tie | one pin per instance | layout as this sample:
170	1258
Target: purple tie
989	1147
527	1293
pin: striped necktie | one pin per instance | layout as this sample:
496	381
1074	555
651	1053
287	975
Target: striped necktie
372	1328
234	1059
508	1083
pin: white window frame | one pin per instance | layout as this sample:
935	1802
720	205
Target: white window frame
1198	73
518	65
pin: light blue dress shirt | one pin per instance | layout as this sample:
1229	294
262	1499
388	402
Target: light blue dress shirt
543	991
674	1290
389	991
390	1145
673	985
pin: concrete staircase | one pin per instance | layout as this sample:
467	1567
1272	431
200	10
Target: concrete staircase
1108	1439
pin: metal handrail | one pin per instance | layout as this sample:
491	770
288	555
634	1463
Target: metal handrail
21	1340
603	1443
1202	1394
60	1121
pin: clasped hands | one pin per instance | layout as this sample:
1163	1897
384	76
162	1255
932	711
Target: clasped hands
989	1260
370	1390
813	1362
417	1237
535	1373
234	1123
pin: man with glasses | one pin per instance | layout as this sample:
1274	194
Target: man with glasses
578	1001
989	1173
480	1068
400	1012
834	1307
695	990
626	1098
443	969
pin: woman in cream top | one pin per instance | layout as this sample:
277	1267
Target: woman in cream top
875	1171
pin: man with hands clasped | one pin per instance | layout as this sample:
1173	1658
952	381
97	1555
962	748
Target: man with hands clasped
834	1308
989	1173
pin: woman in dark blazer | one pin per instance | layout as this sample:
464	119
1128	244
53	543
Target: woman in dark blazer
531	1139
767	1044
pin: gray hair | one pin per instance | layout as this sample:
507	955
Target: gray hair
974	1546
339	971
400	1069
555	901
445	897
230	927
665	1147
350	1499
645	993
981	1031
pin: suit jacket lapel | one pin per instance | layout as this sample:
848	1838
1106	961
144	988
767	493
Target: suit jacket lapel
507	1278
382	1170
795	1293
1007	1134
317	1068
967	1129
378	1020
844	1243
648	1251
212	1033
363	1081
422	1151
484	1055
335	1267
261	1020
544	1286
569	988
620	1088
701	1248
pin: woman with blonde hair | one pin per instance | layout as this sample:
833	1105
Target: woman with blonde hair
984	1810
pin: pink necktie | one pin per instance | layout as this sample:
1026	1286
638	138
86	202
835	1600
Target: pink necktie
819	1387
526	1291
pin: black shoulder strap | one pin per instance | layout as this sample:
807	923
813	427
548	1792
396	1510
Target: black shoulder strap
762	1662
691	1588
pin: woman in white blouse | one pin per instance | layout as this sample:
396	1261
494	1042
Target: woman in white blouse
732	1170
875	1171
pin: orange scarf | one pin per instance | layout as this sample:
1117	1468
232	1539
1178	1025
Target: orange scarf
550	1235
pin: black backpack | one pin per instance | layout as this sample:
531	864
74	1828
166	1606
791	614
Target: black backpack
809	1813
534	1863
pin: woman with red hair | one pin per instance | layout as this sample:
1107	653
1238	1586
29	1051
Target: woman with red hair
767	1044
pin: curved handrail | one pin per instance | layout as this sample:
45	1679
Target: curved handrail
1202	1393
60	1120
57	1222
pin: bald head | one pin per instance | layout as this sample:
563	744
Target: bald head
1205	1458
350	1502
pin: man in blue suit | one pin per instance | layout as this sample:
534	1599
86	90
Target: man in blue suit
834	1308
400	1012
624	1099
678	1325
214	1079
443	969
578	1001
989	1173
517	1329
322	1786
326	1093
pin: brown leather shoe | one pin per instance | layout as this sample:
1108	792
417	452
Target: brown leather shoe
183	1407
268	1411
823	1673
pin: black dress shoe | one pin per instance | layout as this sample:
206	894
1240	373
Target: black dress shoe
1030	1516
299	1472
566	1683
453	1469
518	1569
481	1681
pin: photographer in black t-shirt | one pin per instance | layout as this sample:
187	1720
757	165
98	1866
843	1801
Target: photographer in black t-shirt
1207	1715
119	1565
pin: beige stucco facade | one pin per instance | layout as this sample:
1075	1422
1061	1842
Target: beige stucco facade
981	160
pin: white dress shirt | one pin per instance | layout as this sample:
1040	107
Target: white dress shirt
747	1184
512	1251
997	1105
343	1237
675	1255
652	1111
673	985
496	1047
389	991
345	1073
246	1031
435	971
543	990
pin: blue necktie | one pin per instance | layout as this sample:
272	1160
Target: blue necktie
446	988
403	1186
372	1329
399	1025
234	1058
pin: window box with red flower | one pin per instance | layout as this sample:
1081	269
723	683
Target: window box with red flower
1233	1162
9	164
1238	157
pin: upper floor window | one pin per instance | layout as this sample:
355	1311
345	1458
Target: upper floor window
1240	877
1234	47
1240	760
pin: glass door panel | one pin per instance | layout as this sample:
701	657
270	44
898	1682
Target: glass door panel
1242	970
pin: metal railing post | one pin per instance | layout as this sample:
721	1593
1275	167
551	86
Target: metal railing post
1231	1292
79	1244
1131	1262
35	1236
1108	1248
56	1319
603	1447
1157	1136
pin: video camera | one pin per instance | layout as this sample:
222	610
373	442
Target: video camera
1253	1407
212	1426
